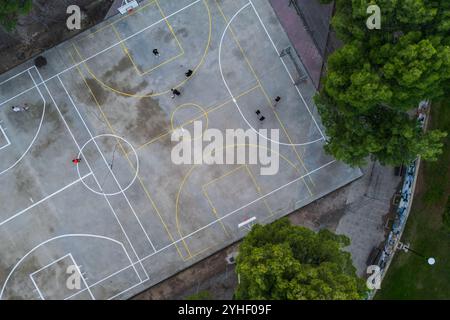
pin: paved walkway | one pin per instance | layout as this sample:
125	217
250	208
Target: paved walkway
368	203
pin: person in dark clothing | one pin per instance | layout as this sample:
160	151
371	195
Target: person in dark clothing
175	92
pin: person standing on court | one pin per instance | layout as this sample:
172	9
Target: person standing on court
175	92
156	52
277	99
189	73
20	109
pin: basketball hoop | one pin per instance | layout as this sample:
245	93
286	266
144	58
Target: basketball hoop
247	224
128	6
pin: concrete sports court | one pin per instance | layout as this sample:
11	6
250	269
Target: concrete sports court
126	217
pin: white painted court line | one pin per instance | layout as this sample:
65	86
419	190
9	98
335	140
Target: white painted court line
243	207
74	263
234	99
43	200
287	70
11	272
16	75
200	229
229	214
17	95
82	277
124	291
107	165
38	129
98	184
36	287
31	275
104	279
8	142
207	226
102	51
50	264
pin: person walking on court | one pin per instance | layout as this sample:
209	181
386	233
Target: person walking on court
260	116
156	52
175	92
76	160
189	73
277	99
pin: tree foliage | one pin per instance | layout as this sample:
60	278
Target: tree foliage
379	76
11	9
281	261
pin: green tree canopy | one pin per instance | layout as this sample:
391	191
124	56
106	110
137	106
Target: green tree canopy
388	135
281	261
379	76
11	9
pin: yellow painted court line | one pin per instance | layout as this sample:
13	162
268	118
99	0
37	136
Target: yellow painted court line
223	176
90	35
194	71
258	188
170	27
194	166
205	193
264	91
208	110
140	179
205	115
131	164
177	220
177	211
127	50
199	252
161	64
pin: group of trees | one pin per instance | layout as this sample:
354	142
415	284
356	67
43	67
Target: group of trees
10	11
378	77
286	262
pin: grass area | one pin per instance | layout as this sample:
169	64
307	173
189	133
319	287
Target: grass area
202	295
409	276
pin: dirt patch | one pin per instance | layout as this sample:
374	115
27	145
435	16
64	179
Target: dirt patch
52	124
182	32
150	121
123	65
97	90
44	27
199	277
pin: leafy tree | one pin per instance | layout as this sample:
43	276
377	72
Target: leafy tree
388	135
11	9
379	76
281	261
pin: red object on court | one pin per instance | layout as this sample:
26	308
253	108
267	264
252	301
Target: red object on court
76	161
